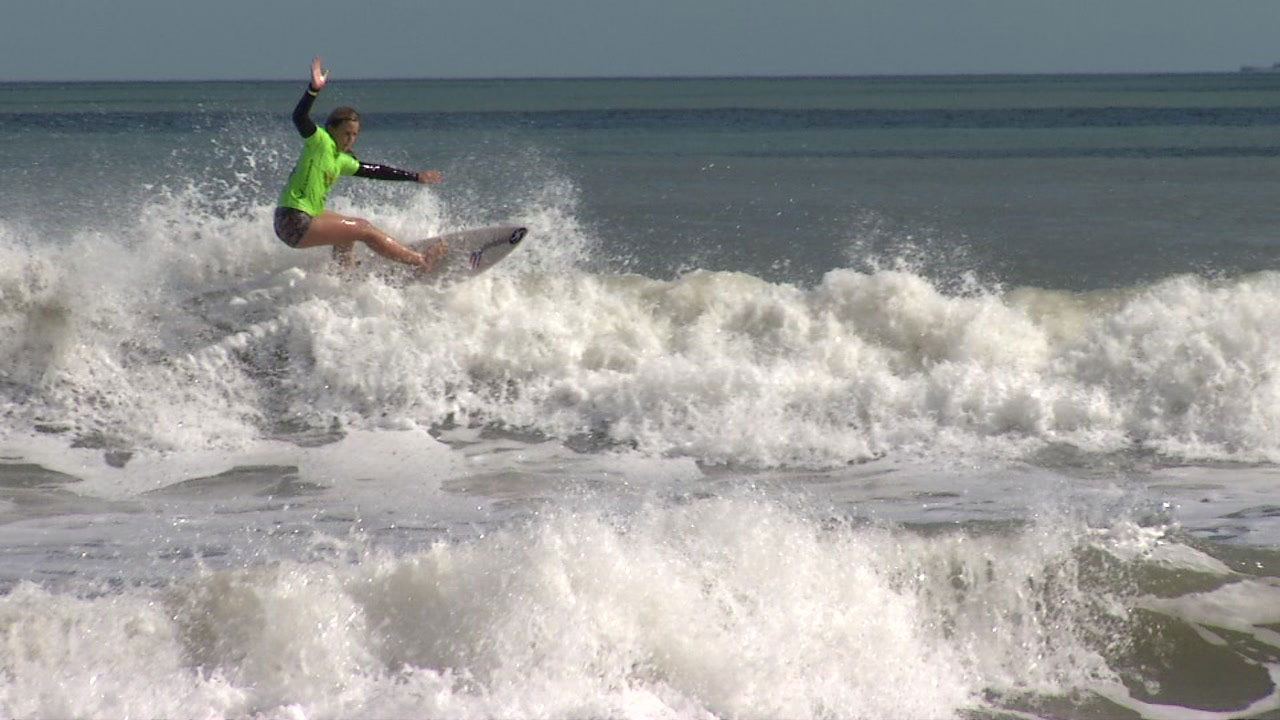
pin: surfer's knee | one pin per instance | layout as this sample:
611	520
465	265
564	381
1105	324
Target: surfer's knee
367	233
357	228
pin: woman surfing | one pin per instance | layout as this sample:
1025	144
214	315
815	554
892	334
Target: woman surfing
301	219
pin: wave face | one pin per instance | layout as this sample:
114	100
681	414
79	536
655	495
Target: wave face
191	328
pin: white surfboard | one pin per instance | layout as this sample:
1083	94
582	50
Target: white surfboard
471	252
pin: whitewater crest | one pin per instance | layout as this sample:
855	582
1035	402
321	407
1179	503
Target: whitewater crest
192	327
171	350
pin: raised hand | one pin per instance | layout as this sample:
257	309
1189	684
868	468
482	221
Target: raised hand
319	76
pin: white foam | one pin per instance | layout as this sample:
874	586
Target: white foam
110	656
195	329
735	606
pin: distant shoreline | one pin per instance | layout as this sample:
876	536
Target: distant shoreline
1245	70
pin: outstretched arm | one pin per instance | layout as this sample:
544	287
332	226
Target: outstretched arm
386	172
302	112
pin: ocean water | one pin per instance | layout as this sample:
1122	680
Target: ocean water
929	397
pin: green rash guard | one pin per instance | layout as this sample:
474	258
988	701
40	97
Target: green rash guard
314	175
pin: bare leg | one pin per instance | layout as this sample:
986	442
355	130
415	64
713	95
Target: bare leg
342	232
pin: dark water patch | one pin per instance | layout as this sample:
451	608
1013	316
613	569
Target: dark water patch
754	119
1031	153
28	475
304	435
116	453
21	504
1080	705
1172	664
1254	513
1257	561
676	119
275	481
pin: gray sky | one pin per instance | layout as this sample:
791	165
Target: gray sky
275	39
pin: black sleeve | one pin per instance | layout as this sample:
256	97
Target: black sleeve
302	114
384	172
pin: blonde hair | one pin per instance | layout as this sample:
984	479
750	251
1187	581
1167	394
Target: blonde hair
341	115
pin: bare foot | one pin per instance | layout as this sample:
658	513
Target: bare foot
432	256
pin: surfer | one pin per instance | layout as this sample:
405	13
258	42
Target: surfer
300	218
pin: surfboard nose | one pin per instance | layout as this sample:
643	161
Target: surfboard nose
518	235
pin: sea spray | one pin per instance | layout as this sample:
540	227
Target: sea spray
739	605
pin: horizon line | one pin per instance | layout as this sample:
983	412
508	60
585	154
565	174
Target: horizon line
712	76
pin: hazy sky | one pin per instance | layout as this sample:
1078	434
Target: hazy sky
268	39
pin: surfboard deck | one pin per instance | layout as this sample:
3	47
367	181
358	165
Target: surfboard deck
471	252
